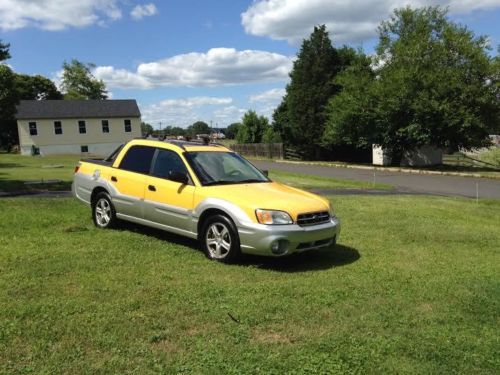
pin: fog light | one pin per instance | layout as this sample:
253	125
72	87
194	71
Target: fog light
279	247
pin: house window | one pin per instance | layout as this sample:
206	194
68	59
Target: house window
84	148
105	126
128	126
33	130
57	127
82	128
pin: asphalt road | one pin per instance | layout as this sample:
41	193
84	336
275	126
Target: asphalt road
403	182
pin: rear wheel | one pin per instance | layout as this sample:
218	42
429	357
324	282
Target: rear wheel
103	211
220	240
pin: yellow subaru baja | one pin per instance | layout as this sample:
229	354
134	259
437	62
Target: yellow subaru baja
205	192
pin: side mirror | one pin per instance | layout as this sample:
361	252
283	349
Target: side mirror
178	177
265	173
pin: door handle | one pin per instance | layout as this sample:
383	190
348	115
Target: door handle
114	179
151	188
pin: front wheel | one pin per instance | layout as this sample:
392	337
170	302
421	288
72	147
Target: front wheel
220	240
103	211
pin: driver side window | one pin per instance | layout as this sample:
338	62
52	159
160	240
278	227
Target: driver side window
167	162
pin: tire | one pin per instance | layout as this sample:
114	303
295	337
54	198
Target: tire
103	211
219	239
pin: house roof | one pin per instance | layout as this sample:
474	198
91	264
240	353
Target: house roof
58	109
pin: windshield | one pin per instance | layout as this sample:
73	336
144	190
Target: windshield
218	168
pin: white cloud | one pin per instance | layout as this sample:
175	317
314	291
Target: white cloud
56	14
347	21
141	11
228	115
184	111
216	67
269	96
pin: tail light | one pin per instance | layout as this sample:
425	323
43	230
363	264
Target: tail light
77	167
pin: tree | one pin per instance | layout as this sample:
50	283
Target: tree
270	136
435	85
350	113
35	88
252	129
4	51
146	129
232	130
199	127
301	117
8	128
79	83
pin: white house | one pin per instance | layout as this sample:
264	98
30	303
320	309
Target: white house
95	127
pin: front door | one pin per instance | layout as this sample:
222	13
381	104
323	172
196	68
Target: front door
168	202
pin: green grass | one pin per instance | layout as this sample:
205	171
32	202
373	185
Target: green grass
318	182
413	287
492	156
15	170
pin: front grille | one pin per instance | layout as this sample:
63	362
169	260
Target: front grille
313	218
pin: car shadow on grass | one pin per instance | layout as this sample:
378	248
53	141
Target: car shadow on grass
333	256
312	260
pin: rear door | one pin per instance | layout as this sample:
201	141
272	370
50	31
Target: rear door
129	180
168	202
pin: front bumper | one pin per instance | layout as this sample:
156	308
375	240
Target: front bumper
258	238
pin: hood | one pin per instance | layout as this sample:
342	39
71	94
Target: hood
268	195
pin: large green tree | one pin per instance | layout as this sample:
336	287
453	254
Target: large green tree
35	88
435	85
199	127
13	88
4	51
146	129
232	130
252	128
8	128
79	83
300	119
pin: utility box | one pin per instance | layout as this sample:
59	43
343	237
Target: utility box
421	157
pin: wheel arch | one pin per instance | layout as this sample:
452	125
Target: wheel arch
208	213
96	191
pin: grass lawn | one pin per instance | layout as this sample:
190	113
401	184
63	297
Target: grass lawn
412	287
15	170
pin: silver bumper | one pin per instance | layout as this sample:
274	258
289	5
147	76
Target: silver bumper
258	238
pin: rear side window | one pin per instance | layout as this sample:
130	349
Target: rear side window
138	159
167	162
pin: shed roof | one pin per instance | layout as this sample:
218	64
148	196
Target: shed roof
57	109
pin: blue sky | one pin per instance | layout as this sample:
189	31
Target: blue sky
198	59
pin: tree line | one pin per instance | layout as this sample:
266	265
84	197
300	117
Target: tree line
430	82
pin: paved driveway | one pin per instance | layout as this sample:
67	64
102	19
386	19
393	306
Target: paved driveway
404	182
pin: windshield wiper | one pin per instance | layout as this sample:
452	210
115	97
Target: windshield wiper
220	182
250	180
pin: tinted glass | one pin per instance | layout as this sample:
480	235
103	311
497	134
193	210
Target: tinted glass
167	162
138	159
217	168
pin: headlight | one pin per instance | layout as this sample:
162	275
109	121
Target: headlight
273	217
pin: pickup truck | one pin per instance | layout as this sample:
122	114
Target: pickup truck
205	192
